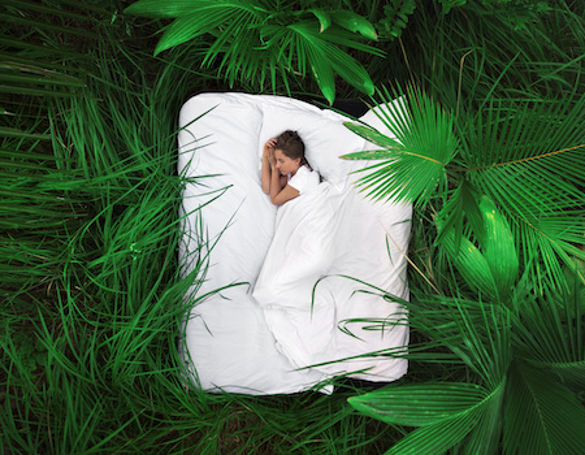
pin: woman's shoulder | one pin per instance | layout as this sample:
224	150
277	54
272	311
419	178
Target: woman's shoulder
304	179
311	174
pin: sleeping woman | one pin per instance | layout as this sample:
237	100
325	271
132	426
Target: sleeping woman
285	170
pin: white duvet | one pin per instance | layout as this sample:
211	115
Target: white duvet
297	301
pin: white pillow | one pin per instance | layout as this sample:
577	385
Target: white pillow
324	135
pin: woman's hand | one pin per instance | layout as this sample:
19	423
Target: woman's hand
269	146
269	152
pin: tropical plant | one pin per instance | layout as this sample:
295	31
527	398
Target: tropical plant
498	182
521	387
260	39
91	298
525	156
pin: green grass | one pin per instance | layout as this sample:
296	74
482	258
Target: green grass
91	292
92	299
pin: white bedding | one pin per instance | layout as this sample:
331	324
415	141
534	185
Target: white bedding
298	316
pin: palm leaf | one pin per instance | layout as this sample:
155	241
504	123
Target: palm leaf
206	19
317	47
550	334
257	41
418	157
322	73
437	438
448	412
420	404
351	70
354	23
549	240
492	266
486	435
471	263
375	137
527	156
498	247
324	18
462	202
541	417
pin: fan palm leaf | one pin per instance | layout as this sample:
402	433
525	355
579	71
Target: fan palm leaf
526	157
414	163
525	358
550	334
323	56
542	416
446	413
549	241
449	413
205	19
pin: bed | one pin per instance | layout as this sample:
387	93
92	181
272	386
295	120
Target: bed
289	297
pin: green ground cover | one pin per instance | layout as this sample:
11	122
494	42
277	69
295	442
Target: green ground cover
90	291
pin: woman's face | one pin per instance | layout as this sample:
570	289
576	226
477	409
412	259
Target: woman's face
284	164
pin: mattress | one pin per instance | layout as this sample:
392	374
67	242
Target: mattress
290	298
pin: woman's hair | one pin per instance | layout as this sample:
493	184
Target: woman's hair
291	145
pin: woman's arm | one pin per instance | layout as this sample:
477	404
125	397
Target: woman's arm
267	166
280	192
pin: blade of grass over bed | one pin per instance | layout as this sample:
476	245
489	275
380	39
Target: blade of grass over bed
92	298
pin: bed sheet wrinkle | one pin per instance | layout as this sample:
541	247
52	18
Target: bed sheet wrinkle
303	327
301	251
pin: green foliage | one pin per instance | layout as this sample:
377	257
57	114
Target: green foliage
529	165
515	398
498	249
492	266
395	18
92	298
262	40
426	144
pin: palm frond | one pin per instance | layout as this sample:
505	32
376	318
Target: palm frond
542	416
550	335
527	156
420	404
447	413
548	241
321	54
257	41
417	159
354	23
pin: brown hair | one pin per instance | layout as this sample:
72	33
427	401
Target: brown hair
291	144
